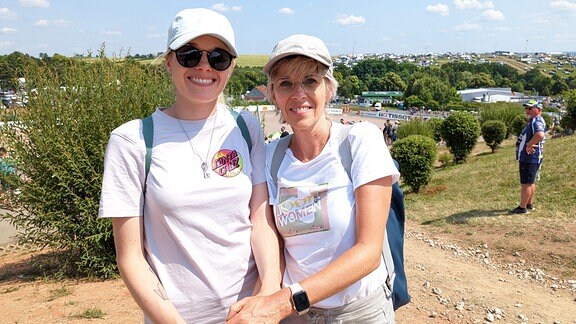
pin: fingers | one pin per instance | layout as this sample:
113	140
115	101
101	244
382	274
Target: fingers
235	309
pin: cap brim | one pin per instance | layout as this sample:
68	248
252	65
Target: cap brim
185	39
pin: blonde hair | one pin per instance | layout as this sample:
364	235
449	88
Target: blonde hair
300	64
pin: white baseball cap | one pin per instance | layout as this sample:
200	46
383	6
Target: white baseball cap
299	44
191	23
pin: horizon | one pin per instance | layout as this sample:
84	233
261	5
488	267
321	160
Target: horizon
451	26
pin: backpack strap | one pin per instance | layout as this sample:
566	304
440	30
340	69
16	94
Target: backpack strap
243	128
277	157
148	133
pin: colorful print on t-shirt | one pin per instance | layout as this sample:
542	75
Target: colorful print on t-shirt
227	163
302	210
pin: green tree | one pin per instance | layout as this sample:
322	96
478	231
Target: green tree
415	155
460	130
493	132
58	144
569	119
392	82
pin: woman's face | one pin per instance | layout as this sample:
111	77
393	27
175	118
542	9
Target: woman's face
200	83
300	94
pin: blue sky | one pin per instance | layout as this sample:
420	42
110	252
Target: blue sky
71	27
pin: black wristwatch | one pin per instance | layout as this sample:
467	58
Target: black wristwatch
299	299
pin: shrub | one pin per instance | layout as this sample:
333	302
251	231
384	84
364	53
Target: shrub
518	124
445	159
460	131
493	132
436	126
505	112
569	118
416	155
59	146
415	127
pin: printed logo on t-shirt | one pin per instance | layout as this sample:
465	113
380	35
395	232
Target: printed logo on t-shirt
302	210
227	163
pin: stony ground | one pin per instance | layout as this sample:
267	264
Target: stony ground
448	283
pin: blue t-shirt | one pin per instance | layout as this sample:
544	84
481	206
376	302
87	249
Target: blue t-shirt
535	125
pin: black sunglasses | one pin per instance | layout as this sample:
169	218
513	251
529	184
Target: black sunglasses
189	56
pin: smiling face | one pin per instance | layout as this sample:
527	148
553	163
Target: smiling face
301	91
200	84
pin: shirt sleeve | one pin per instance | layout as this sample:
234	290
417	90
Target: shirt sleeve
371	158
123	178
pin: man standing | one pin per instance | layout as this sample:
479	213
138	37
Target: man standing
530	151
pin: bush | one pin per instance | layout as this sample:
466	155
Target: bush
59	146
505	112
415	127
436	126
494	133
445	159
569	119
416	155
460	131
518	124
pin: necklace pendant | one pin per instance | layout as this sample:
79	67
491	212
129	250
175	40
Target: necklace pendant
205	170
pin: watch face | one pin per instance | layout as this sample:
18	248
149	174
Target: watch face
301	301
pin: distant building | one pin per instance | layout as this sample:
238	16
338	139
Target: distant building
386	97
490	95
256	94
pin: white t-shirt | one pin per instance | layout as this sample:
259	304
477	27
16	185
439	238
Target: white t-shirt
314	206
197	230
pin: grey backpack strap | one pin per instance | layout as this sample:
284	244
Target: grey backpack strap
277	157
345	152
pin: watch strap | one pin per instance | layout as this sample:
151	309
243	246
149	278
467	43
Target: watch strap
297	290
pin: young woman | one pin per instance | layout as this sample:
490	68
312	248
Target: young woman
332	224
184	248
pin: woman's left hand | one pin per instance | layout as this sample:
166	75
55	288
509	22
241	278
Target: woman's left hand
259	309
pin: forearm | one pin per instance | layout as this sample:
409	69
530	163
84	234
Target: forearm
266	248
537	138
148	292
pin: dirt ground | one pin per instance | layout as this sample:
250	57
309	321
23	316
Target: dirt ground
448	284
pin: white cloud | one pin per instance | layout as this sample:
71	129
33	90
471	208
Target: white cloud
62	23
34	3
42	23
346	20
492	14
286	11
5	13
7	30
57	22
467	27
111	33
439	8
473	4
222	7
563	5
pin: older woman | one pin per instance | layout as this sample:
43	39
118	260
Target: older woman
332	223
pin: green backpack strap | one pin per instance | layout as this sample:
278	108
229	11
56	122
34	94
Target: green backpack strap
277	157
148	132
243	128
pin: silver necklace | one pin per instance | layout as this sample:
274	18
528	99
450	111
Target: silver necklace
204	164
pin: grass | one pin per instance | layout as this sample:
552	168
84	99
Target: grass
60	292
90	313
470	201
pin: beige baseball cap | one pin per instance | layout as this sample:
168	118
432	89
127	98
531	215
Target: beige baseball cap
299	44
191	23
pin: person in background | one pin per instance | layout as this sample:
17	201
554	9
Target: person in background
333	247
387	131
283	132
530	152
202	235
